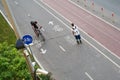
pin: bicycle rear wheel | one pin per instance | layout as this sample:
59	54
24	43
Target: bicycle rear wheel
41	36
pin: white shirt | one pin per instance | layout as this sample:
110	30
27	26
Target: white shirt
75	30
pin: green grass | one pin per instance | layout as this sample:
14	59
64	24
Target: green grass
6	32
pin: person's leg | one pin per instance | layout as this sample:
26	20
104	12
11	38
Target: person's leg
37	33
79	37
77	40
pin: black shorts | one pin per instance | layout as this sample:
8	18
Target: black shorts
77	37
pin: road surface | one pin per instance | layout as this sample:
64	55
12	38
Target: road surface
63	57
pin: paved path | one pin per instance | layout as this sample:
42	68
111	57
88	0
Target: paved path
99	30
63	57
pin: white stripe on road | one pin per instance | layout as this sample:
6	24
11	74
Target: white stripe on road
6	19
53	14
62	48
103	54
80	29
103	21
94	15
88	76
38	63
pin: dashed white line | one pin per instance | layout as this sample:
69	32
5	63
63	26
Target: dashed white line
88	76
62	48
38	62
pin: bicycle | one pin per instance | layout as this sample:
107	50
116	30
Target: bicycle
37	31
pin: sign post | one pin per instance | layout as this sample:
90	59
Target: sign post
27	39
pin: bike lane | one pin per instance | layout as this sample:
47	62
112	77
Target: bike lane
60	54
96	28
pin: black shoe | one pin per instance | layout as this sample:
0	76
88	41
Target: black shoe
80	41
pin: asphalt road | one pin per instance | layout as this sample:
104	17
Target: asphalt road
99	30
63	57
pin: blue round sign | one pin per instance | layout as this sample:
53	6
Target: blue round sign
27	39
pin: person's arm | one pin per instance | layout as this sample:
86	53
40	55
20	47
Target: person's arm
39	26
72	32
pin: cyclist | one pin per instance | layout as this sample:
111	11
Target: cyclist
34	24
37	29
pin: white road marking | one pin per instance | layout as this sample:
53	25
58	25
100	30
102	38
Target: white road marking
42	29
81	30
43	51
50	23
38	63
57	28
94	15
105	22
70	40
52	13
62	48
6	19
103	54
88	76
28	15
16	2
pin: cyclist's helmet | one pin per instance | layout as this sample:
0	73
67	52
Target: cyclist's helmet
32	22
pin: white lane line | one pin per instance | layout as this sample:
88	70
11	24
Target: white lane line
53	14
103	21
80	29
38	62
94	15
62	48
6	19
88	76
103	54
